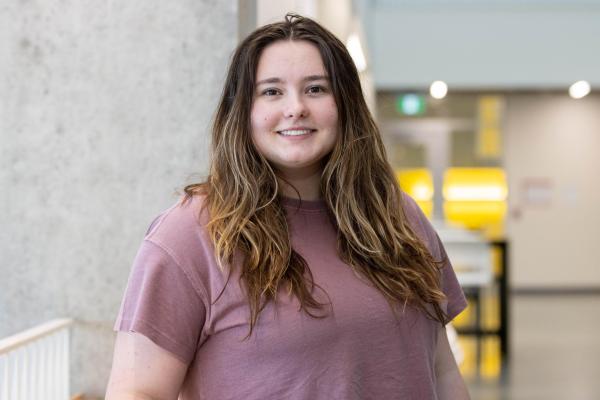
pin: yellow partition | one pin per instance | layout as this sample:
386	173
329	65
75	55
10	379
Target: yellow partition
418	184
475	197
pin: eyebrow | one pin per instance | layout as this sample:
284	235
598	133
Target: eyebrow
308	78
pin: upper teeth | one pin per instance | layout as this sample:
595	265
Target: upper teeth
295	132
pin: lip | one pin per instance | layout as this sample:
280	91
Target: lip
296	128
300	137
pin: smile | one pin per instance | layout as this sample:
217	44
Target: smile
296	132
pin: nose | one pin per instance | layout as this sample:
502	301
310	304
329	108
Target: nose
296	107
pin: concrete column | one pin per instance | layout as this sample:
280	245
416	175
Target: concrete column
104	113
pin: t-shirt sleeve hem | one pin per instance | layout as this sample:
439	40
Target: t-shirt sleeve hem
455	307
181	351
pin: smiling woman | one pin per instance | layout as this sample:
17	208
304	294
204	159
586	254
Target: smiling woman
294	116
298	270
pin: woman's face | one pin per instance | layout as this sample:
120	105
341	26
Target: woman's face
294	118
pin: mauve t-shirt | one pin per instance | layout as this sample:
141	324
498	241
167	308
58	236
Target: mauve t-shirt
360	350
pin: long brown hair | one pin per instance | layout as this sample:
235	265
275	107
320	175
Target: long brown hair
357	184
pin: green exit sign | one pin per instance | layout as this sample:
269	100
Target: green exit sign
410	104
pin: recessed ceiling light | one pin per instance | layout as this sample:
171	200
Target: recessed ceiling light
438	90
579	89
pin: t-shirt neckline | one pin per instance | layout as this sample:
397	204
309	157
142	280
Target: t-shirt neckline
304	205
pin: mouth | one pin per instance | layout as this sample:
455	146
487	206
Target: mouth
296	132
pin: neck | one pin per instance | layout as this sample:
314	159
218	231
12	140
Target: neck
307	184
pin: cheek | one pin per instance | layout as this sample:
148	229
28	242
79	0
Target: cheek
335	125
331	113
261	121
334	118
261	118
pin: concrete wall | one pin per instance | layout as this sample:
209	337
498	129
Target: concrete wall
552	159
269	11
104	109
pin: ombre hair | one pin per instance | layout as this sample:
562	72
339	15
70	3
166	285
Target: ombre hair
357	183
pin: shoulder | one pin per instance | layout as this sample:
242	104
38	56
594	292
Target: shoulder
420	224
180	230
409	205
414	215
455	300
185	215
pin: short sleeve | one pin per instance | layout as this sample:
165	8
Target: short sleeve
455	298
161	303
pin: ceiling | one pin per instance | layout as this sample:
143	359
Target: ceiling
475	45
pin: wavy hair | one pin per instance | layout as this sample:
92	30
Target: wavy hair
357	184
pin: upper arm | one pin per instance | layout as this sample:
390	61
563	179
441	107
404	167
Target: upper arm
144	370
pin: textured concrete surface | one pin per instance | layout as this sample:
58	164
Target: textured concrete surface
104	110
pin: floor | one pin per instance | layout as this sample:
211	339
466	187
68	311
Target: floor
555	351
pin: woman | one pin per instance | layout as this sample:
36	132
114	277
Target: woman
298	270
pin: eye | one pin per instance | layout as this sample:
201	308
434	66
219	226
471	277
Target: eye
271	92
316	89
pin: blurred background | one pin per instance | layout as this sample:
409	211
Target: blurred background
491	117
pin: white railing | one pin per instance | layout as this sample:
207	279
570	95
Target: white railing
34	364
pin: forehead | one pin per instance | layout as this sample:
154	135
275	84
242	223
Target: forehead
290	59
